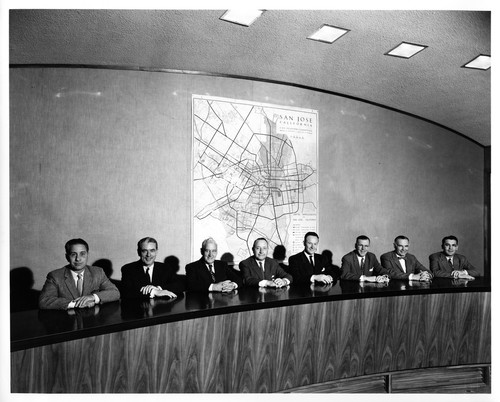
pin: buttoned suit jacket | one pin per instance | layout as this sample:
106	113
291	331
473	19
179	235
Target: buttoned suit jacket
198	277
351	270
441	269
301	269
134	278
253	274
391	262
60	288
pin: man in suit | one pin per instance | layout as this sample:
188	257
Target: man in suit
403	265
449	264
209	274
148	278
309	266
362	265
77	285
259	270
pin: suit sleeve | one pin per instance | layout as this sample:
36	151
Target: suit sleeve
435	268
281	273
234	276
106	290
193	280
465	264
248	278
49	297
378	268
130	283
172	282
299	276
348	271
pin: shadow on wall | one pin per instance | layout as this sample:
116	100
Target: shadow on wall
107	267
173	263
22	295
328	257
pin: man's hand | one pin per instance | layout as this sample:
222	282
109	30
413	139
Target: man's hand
162	293
225	286
326	279
146	290
423	276
85	301
461	274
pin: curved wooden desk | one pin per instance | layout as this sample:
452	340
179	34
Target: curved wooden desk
254	340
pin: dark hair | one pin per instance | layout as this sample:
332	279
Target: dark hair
362	237
148	240
450	237
311	234
260	238
279	252
401	237
72	242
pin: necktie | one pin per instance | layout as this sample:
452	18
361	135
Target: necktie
147	273
362	263
261	266
312	261
212	273
79	284
450	262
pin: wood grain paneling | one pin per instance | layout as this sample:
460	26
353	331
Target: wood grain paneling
268	350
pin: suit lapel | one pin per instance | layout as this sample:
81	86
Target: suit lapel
398	264
70	283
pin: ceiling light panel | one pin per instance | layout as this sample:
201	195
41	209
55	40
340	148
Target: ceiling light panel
328	34
242	17
405	50
481	62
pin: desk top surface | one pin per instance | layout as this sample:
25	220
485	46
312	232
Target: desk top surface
34	328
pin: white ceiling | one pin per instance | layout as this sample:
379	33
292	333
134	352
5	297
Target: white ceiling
431	85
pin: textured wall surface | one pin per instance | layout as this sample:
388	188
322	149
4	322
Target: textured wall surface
105	155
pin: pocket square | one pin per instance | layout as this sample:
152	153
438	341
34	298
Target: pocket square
323	270
371	269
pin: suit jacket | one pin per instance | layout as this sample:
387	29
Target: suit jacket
351	270
301	269
252	274
134	278
391	262
199	279
441	269
60	288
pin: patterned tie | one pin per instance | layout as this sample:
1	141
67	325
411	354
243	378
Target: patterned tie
312	261
261	266
450	262
362	263
79	284
212	273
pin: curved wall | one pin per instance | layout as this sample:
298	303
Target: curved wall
105	155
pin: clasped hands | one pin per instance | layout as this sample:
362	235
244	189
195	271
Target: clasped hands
276	283
423	276
224	286
455	274
156	291
326	279
84	301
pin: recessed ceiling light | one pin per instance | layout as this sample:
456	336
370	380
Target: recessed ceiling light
242	17
481	62
328	34
405	50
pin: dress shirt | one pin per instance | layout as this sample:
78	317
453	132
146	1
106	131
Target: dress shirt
150	273
402	261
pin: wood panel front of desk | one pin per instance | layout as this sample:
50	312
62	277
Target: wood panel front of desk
268	350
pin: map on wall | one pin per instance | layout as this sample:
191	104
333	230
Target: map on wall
254	174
